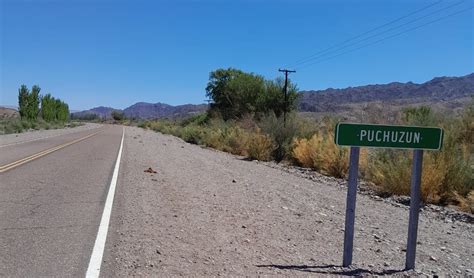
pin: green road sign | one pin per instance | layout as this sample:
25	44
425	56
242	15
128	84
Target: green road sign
389	136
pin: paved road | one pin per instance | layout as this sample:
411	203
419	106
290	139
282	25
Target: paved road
50	208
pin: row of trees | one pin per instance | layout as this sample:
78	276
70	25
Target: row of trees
52	109
235	93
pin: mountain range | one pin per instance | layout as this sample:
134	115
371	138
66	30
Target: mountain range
144	110
441	93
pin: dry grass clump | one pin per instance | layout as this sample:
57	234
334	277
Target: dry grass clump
322	154
393	175
447	176
466	204
260	146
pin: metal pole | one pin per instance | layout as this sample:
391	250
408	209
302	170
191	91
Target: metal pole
350	206
415	195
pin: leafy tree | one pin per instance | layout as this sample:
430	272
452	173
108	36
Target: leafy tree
274	98
51	109
48	108
117	115
33	103
23	98
227	90
235	94
62	110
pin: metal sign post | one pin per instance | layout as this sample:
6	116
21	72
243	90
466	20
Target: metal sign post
386	136
415	194
350	206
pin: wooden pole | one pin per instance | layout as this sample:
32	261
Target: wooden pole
285	92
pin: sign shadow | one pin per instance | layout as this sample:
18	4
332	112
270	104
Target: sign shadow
332	269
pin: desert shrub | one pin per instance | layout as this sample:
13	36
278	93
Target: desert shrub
281	133
322	154
192	134
16	125
214	139
26	124
465	203
260	146
445	173
74	124
419	116
11	126
236	140
199	119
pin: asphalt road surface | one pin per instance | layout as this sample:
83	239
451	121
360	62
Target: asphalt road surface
50	207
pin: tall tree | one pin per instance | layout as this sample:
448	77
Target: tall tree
23	98
48	108
33	103
62	110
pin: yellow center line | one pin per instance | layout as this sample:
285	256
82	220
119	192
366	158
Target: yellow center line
27	159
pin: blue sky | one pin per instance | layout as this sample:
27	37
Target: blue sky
116	53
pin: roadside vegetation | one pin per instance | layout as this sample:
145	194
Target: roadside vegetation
37	112
246	118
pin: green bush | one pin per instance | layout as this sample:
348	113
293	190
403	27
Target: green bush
281	133
192	134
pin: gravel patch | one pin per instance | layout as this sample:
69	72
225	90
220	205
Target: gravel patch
209	213
34	135
448	214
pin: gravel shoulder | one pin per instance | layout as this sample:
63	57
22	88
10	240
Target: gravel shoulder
29	136
209	213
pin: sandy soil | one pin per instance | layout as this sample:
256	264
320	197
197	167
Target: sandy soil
208	213
8	139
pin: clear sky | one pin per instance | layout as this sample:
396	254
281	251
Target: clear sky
116	53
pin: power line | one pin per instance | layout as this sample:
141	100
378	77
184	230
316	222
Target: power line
385	38
380	33
366	32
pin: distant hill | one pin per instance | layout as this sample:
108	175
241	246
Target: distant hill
8	113
442	93
144	110
101	111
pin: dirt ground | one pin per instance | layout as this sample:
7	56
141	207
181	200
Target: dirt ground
208	213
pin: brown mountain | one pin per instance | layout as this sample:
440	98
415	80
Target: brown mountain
144	110
442	93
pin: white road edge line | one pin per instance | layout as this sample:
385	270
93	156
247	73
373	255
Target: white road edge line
95	262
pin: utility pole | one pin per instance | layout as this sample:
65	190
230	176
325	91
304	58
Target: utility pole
285	92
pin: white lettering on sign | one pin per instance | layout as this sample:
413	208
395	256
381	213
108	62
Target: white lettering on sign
390	136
